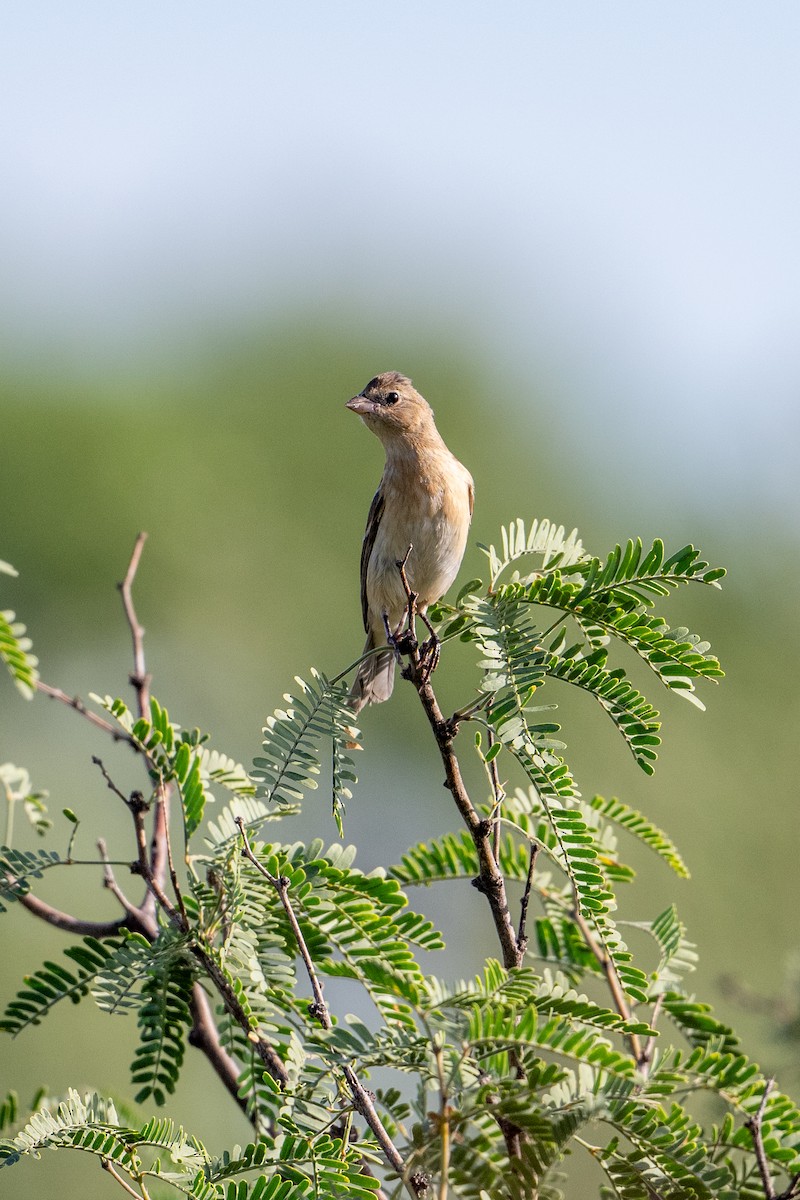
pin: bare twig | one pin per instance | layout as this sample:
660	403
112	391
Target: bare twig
75	702
646	1061
497	788
139	677
204	1036
61	920
522	937
110	882
160	852
319	1008
754	1124
793	1190
126	800
444	1123
162	792
105	1163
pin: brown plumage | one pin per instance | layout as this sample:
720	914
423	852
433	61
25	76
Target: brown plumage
424	500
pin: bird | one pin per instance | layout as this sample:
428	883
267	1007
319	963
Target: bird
419	515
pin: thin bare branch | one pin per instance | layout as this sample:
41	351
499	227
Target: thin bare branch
75	702
162	792
204	1036
319	1010
646	1061
139	677
105	1163
612	979
98	762
61	920
754	1124
522	937
110	882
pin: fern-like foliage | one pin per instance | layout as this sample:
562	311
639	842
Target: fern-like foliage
18	867
290	761
650	835
543	539
633	715
580	1048
164	1019
55	982
15	647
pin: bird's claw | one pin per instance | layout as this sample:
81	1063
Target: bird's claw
429	654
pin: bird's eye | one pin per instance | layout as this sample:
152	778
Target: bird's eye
391	398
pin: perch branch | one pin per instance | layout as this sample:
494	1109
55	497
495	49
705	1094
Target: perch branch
490	879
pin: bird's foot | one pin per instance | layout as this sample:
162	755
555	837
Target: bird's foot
429	654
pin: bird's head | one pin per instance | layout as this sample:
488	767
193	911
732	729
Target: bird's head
392	407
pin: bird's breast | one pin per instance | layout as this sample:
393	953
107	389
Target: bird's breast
429	511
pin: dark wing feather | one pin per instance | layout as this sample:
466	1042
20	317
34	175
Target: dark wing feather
371	532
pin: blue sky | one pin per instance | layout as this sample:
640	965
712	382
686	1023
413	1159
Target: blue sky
605	193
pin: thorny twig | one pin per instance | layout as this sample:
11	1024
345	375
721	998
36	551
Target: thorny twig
319	1008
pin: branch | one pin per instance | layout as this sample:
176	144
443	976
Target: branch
110	882
754	1124
139	678
75	702
612	979
61	920
204	1036
105	1163
490	879
522	937
319	1009
646	1060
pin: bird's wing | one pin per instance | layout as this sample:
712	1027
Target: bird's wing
371	532
471	497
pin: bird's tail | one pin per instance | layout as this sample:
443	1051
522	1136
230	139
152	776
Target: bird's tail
375	678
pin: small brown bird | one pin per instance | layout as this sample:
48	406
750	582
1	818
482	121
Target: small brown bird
424	501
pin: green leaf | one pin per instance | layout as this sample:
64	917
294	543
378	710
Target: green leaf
631	712
164	1019
18	866
54	982
647	833
15	650
291	761
544	539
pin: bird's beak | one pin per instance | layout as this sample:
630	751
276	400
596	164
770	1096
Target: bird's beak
360	404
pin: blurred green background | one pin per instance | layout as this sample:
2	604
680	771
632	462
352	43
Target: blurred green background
576	230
